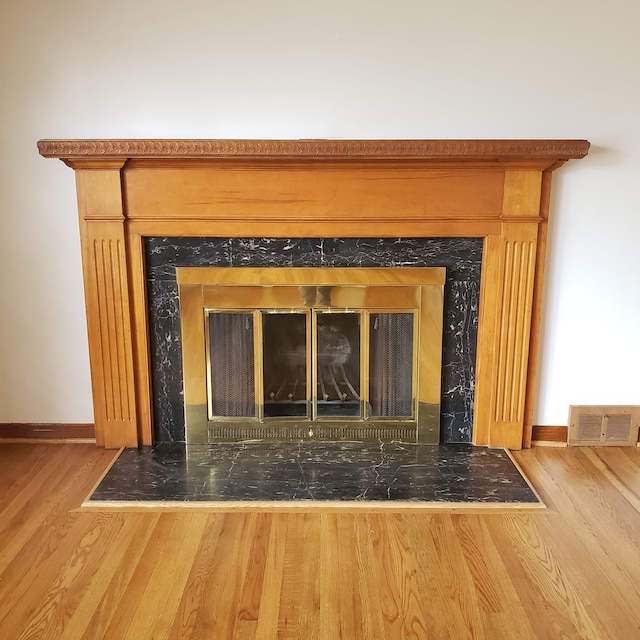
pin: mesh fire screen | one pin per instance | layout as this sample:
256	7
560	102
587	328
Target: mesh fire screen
391	364
231	365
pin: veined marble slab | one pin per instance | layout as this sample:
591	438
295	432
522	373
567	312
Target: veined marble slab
314	473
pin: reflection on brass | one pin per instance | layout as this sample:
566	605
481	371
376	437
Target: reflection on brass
308	295
312	296
324	296
258	364
313	276
193	345
195	416
429	423
283	297
313	291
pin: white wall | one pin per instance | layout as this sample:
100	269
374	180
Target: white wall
323	69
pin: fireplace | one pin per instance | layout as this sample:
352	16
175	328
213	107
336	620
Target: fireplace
133	191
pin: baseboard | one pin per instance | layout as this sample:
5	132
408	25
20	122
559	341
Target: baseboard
543	434
47	431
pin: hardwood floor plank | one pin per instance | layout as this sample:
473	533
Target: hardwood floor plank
18	463
114	581
584	532
294	620
598	500
224	611
405	611
187	623
51	491
158	605
568	571
269	617
497	598
366	569
151	597
457	581
95	594
310	595
355	598
61	600
485	586
616	465
441	613
592	546
590	579
551	597
330	623
49	537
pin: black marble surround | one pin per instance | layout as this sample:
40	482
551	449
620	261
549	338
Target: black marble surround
461	256
315	472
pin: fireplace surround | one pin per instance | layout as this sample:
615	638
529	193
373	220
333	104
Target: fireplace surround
461	257
133	190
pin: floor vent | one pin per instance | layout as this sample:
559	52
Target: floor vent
612	426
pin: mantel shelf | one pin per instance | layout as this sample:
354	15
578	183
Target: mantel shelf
550	151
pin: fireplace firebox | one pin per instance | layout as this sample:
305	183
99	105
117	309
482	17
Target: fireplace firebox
311	353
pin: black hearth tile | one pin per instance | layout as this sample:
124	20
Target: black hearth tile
313	471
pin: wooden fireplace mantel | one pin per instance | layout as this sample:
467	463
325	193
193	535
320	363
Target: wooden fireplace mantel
494	189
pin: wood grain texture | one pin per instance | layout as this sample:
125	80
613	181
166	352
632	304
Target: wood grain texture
313	194
567	572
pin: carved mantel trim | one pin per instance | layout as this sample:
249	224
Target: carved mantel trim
495	189
487	150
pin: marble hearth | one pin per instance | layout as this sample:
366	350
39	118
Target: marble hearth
273	475
481	205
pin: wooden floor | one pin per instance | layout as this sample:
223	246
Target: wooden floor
572	571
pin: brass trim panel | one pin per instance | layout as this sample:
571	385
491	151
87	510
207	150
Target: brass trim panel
272	276
313	291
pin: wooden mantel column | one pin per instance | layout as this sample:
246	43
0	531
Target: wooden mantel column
509	274
102	230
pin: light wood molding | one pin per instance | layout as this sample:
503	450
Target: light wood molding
56	432
494	189
546	433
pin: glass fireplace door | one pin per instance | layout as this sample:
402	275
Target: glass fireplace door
291	361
